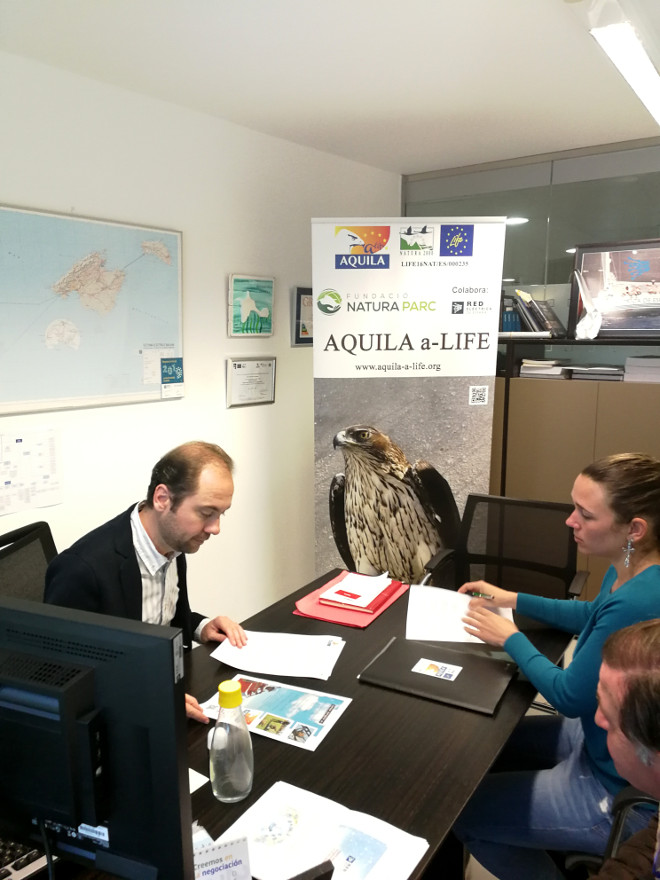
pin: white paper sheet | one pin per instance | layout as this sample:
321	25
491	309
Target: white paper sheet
283	654
290	830
436	615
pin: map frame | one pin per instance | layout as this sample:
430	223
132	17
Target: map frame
160	257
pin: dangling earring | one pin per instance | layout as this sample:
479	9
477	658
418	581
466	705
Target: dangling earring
629	549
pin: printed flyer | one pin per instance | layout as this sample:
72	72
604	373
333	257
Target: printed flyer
289	714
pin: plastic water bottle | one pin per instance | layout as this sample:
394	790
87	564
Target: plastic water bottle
231	761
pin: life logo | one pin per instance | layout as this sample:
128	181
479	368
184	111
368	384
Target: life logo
456	240
361	247
328	302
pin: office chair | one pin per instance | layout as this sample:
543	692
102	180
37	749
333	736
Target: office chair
578	864
24	557
518	544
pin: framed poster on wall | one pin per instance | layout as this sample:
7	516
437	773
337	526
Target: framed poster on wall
616	288
250	311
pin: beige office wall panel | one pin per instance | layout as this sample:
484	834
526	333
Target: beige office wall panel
628	418
551	427
496	443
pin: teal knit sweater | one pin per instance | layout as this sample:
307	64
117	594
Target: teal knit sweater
572	691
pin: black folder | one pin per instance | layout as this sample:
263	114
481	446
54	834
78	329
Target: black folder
479	685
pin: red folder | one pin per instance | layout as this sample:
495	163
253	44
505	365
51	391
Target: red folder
309	606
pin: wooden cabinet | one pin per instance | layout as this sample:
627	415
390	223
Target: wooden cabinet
545	431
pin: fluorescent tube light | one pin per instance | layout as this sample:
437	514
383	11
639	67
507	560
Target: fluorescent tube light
516	221
624	48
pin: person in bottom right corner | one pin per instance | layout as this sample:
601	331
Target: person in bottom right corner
629	712
552	787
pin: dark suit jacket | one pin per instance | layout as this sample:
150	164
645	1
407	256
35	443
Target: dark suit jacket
100	572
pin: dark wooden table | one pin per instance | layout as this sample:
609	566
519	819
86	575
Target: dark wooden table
409	761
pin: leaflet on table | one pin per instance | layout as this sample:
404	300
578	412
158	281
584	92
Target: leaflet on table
356	590
290	830
298	716
283	654
229	858
436	615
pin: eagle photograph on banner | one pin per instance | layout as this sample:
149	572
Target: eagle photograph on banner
406	315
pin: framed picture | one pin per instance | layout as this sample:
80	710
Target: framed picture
615	290
303	328
250	381
250	311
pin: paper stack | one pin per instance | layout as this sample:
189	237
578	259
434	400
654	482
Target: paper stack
543	369
601	372
645	368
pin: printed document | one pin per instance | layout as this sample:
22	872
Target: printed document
283	654
290	830
436	615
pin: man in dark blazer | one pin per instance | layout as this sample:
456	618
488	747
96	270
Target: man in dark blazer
125	567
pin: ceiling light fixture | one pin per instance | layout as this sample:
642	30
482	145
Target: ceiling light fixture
516	221
621	43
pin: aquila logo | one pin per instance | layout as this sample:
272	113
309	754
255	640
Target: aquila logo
360	247
456	241
328	302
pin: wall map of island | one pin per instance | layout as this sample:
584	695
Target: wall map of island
87	309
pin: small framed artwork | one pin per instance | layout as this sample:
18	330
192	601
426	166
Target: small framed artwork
250	311
616	290
250	381
303	330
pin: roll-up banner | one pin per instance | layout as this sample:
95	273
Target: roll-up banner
406	315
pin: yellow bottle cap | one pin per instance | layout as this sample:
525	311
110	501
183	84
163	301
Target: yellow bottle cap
229	694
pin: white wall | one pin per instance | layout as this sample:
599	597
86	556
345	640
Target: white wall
244	203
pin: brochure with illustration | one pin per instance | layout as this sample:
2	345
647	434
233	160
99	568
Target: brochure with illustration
290	830
297	716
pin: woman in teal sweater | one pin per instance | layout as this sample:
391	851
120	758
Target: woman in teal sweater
555	780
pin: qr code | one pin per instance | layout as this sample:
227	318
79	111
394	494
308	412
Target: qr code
478	395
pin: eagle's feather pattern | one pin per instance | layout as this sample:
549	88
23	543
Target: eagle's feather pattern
386	514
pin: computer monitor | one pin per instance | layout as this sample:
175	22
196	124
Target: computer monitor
93	740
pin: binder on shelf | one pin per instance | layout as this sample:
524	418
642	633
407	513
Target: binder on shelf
479	685
509	319
552	322
527	321
541	314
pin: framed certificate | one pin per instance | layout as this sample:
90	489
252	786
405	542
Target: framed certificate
303	330
250	381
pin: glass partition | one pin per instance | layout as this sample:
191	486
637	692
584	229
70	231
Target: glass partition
611	196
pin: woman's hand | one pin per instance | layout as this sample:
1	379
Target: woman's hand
500	598
487	625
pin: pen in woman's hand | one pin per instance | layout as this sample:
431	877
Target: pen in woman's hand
478	595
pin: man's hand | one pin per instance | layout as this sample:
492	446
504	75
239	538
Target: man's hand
221	628
194	710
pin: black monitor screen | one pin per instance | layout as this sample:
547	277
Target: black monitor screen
93	740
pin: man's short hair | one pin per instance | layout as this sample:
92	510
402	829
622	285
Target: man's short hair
179	469
635	651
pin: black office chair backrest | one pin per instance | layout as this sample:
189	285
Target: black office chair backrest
24	557
518	544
